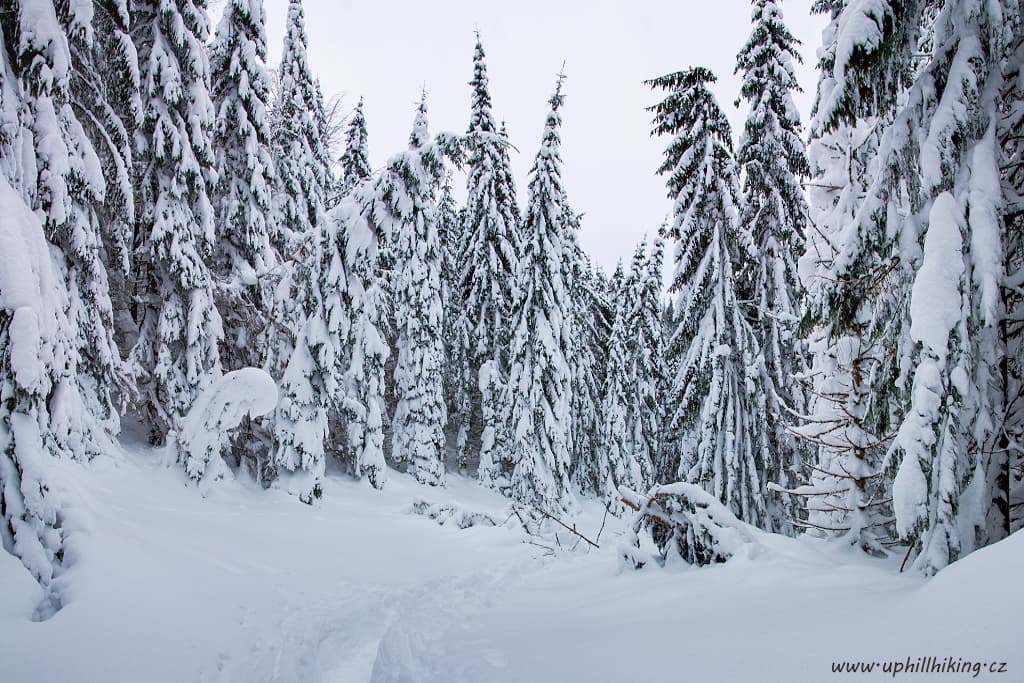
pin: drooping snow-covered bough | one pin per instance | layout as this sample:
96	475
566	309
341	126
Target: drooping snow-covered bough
684	522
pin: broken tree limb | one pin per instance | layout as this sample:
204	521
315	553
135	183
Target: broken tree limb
642	503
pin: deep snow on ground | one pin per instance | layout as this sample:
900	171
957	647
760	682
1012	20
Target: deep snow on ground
248	585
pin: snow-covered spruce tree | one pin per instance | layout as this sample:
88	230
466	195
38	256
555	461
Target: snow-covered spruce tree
297	142
612	454
717	391
37	390
312	383
367	301
406	204
589	469
355	162
587	354
308	317
314	295
1006	514
105	92
328	141
852	325
244	263
297	203
245	178
539	384
488	261
43	413
645	369
64	182
773	161
602	316
941	146
449	232
666	466
616	457
313	319
177	354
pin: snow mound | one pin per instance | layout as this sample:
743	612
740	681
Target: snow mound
246	392
980	579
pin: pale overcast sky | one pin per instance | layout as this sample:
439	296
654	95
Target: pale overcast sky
387	50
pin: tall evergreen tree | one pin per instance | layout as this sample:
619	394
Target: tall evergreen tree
409	206
612	455
298	153
717	388
449	233
539	382
53	399
622	459
298	333
38	395
66	185
941	147
105	90
645	370
587	355
491	219
324	150
590	464
367	301
245	178
849	324
176	356
772	157
355	162
1006	514
313	294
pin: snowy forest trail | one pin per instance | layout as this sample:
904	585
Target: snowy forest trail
251	586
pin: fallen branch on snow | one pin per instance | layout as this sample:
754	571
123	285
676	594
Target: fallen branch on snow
686	522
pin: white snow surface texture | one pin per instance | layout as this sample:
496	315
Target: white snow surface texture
250	586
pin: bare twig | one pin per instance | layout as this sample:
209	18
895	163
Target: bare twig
541	545
603	520
566	527
906	557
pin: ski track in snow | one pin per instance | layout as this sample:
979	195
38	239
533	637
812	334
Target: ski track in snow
382	635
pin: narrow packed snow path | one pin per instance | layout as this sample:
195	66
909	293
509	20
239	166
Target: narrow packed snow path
251	586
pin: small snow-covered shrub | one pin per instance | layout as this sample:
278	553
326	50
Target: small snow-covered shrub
685	521
449	513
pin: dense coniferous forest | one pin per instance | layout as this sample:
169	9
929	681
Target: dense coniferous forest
838	352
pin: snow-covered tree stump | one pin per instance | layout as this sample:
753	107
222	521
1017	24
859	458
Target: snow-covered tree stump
684	521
